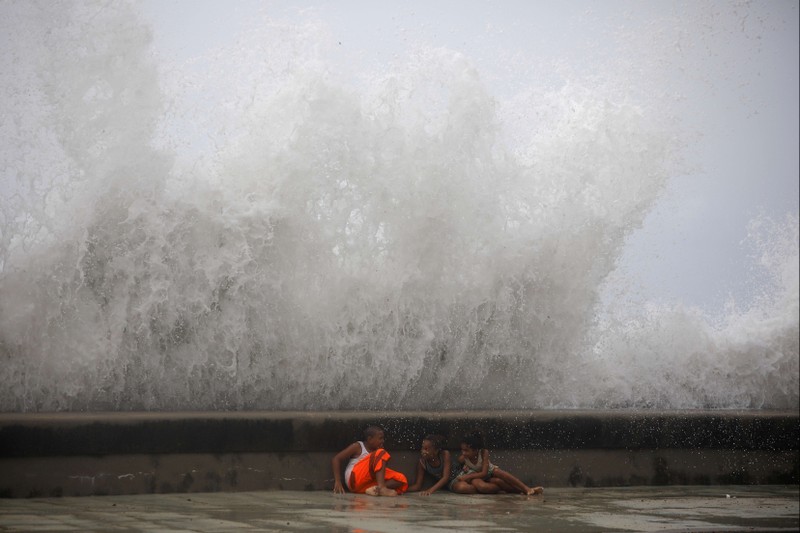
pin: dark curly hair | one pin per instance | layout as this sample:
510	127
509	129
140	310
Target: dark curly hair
372	430
437	441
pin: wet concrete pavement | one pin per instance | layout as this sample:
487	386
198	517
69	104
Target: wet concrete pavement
725	508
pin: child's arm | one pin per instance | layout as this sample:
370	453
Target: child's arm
336	464
445	474
484	468
420	477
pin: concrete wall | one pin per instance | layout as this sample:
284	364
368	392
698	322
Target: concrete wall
128	453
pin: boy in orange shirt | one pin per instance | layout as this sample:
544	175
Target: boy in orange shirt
366	471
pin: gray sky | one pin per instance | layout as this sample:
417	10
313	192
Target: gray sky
735	63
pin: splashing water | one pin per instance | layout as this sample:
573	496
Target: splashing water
392	243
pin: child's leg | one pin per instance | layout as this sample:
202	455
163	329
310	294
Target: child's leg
370	476
390	483
462	487
512	480
505	487
485	487
384	487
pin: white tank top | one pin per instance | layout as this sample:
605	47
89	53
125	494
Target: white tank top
352	463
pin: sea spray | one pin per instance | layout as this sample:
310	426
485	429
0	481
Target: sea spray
388	243
668	356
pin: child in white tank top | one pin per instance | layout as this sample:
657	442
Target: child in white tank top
366	471
479	475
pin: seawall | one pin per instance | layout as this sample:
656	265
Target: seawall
74	454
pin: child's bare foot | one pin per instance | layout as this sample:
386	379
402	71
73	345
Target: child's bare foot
535	490
380	491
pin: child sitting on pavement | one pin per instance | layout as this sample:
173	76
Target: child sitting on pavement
435	461
366	471
479	475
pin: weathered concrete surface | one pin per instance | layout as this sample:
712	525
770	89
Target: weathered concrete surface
640	509
74	454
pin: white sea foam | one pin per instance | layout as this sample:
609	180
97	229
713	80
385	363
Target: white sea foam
395	240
